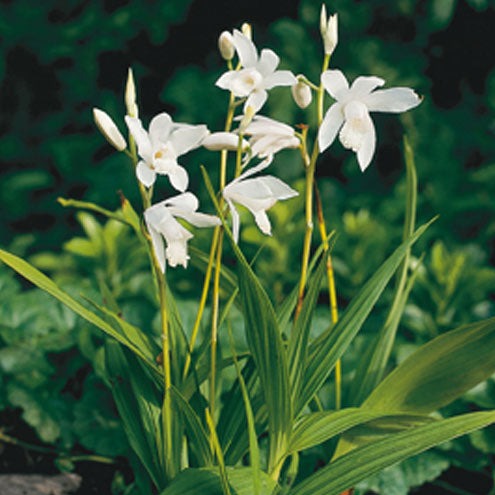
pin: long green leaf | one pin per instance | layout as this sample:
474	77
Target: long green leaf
439	371
265	342
348	470
316	428
333	343
43	282
207	482
374	362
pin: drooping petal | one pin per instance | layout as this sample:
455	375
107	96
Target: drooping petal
392	100
335	83
265	125
279	78
363	85
158	247
235	220
177	253
367	148
330	126
160	127
145	174
141	137
278	188
179	178
263	222
186	139
245	48
256	100
268	62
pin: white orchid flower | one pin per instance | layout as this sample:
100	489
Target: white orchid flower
258	73
257	195
161	146
350	112
162	224
269	136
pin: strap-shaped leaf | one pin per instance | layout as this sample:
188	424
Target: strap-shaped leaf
331	346
362	462
43	282
207	482
439	371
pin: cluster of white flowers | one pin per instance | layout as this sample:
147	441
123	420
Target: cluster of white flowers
160	147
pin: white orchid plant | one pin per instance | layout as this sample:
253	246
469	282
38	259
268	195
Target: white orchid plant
190	436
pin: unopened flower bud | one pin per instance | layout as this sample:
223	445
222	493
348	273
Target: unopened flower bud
301	93
130	95
329	30
224	141
226	45
247	30
109	130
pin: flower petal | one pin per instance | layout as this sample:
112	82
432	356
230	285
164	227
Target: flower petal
158	247
256	100
268	62
225	80
141	137
160	127
182	202
177	253
367	148
363	85
235	220
246	51
179	178
279	78
330	126
278	188
335	83
145	174
186	139
263	222
393	100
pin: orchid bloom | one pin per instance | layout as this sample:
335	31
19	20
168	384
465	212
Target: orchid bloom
162	224
161	146
258	73
257	195
350	112
269	136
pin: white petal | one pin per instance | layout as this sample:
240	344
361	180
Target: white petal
141	137
158	247
225	80
186	139
279	78
160	127
177	253
268	62
367	148
335	83
263	222
364	85
182	202
330	126
256	100
278	188
179	178
235	220
223	141
145	174
393	100
245	48
265	125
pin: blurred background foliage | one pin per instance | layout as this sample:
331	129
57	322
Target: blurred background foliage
61	58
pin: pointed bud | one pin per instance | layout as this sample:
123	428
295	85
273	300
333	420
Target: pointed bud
329	30
247	31
109	130
226	45
130	95
301	93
